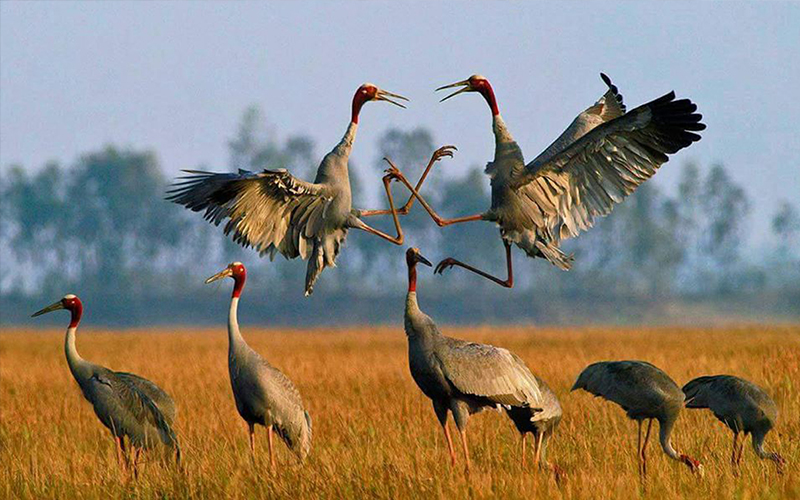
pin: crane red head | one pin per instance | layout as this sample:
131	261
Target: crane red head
235	270
412	257
69	302
475	83
369	92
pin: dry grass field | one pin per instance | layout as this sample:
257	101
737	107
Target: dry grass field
375	434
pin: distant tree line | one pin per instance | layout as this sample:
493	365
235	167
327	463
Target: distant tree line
101	228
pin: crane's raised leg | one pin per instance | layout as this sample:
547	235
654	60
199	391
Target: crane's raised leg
271	450
508	282
357	223
440	221
444	151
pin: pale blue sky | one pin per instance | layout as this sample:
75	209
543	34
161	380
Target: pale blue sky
176	76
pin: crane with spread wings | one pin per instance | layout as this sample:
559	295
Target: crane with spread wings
601	158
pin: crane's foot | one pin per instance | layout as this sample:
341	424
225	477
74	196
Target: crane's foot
444	265
443	152
392	173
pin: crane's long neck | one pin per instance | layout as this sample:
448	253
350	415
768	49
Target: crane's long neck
664	433
80	368
234	335
412	307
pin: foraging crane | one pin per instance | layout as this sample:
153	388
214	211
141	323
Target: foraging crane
274	212
596	162
742	406
128	405
465	377
645	393
262	393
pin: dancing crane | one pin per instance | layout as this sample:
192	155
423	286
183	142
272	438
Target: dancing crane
645	393
262	393
742	406
128	405
275	212
596	162
465	377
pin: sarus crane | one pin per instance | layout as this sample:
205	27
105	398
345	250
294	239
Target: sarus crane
275	212
645	393
128	405
596	162
463	378
263	394
742	406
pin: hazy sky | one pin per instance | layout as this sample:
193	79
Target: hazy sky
175	77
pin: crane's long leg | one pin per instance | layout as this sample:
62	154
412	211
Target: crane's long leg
524	436
639	449
463	433
508	282
739	455
644	446
251	429
136	453
271	449
450	447
359	224
735	445
537	445
441	222
122	458
436	156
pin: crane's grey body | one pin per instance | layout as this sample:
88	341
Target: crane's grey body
645	392
465	377
263	394
736	402
274	212
601	158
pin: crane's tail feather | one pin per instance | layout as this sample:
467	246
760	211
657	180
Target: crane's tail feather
323	254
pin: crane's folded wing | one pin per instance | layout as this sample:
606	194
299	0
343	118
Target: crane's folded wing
585	179
161	399
489	372
271	210
126	409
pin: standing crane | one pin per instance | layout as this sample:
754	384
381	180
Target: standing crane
596	162
128	405
742	406
465	377
262	393
645	393
275	212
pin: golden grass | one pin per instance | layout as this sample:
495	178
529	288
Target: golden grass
375	434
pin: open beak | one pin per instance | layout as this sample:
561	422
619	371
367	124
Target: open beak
384	95
52	307
464	83
222	274
423	260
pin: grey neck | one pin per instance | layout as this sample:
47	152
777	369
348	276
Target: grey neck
665	430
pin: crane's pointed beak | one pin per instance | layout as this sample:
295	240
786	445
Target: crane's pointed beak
220	275
464	83
384	95
423	260
52	307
